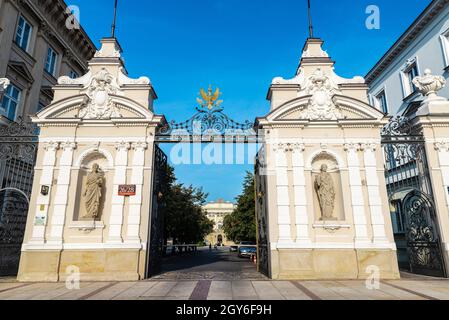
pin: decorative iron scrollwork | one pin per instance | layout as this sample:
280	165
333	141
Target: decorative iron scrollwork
209	122
213	122
13	215
422	238
19	128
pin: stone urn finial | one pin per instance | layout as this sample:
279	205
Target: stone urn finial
4	84
429	84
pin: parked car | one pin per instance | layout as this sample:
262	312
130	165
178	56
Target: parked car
247	251
235	248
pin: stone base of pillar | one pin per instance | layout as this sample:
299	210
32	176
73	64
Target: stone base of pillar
93	265
319	264
437	105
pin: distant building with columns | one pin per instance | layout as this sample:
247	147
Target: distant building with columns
216	212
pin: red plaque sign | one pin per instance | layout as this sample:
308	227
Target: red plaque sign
127	190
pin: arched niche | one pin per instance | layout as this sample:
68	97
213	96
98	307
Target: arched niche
86	163
328	161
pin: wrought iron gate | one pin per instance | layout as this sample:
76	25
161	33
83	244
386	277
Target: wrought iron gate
411	198
18	146
262	215
156	237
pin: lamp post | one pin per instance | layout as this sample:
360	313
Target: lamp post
4	84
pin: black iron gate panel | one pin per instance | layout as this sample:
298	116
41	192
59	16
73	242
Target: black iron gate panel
156	240
18	148
414	218
262	215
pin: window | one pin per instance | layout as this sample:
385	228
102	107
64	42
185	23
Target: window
73	75
50	63
40	106
10	102
445	43
23	33
381	101
408	74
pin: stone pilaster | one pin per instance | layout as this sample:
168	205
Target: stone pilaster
118	202
135	202
358	203
62	193
282	190
43	201
374	198
299	189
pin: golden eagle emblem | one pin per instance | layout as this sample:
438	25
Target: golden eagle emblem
208	99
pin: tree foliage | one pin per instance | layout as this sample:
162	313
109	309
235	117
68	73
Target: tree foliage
241	224
185	221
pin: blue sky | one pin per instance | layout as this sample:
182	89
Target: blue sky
239	46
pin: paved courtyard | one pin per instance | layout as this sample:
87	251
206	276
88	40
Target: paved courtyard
228	290
220	275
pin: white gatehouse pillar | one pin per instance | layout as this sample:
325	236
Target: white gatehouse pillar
332	210
91	198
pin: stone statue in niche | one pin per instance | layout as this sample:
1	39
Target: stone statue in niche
326	193
93	194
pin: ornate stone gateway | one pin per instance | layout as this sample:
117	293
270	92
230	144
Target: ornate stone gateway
18	146
412	203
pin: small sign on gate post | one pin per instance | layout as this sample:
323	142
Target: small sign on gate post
127	190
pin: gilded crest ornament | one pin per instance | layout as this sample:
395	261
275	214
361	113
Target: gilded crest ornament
208	99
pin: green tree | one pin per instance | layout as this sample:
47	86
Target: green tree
241	224
185	221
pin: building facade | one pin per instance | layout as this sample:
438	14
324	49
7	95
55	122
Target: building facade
424	45
39	43
40	40
422	49
216	212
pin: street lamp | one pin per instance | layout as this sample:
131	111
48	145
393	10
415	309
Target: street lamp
4	84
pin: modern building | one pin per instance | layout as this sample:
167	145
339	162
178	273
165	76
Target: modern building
216	212
39	42
424	45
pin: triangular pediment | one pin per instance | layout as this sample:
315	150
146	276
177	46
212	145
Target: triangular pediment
71	109
347	108
21	69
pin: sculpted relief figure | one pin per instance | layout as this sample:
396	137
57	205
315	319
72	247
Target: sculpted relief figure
92	195
326	194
